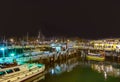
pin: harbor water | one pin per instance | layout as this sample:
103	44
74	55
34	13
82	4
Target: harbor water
78	70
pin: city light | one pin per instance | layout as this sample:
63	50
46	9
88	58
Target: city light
37	40
2	49
56	40
12	40
68	40
12	54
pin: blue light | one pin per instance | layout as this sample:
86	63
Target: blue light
2	48
58	48
12	54
52	71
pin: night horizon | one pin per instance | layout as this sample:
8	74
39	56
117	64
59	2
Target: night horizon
91	19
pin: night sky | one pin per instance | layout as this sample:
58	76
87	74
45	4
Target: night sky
82	18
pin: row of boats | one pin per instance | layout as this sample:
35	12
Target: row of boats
20	73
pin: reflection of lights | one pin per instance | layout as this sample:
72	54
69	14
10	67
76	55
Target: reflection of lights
105	75
52	71
111	69
102	67
58	69
106	70
99	69
118	72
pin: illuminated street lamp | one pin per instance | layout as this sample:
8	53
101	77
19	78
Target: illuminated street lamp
68	40
2	49
12	40
12	54
56	40
37	40
51	40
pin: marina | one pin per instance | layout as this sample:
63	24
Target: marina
39	63
76	70
59	41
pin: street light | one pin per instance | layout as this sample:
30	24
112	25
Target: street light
12	54
56	40
37	40
12	40
2	49
68	40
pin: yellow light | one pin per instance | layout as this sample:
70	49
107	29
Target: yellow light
68	40
12	40
56	40
36	40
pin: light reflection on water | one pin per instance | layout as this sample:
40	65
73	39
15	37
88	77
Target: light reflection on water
76	69
64	67
107	70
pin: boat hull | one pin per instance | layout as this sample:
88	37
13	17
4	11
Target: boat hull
95	58
25	72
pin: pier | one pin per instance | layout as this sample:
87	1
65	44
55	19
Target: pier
41	53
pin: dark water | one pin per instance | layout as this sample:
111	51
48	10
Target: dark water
75	70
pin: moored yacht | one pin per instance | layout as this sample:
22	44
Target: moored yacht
100	56
20	73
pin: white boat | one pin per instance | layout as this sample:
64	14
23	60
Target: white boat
20	73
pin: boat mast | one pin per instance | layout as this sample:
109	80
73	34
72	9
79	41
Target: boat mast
39	34
27	37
